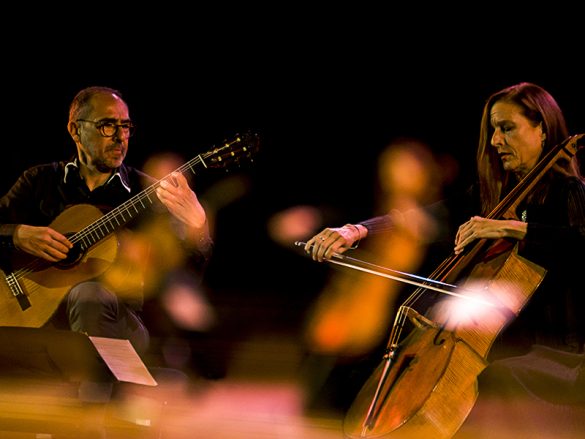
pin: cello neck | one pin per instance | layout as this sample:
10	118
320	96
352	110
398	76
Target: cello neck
565	150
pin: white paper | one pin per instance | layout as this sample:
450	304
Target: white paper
123	360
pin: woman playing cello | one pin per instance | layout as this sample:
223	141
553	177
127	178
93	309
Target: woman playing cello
535	366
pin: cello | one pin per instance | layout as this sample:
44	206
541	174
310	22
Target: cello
442	356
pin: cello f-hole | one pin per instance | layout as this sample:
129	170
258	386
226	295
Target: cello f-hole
436	340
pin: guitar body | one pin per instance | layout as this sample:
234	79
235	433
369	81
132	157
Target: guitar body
45	284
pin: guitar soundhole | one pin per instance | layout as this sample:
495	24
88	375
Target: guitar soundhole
73	257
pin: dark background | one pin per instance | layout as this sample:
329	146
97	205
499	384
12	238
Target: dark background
323	115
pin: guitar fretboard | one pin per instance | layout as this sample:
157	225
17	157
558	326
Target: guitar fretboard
125	212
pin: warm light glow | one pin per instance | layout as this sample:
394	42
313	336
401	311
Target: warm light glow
294	224
187	307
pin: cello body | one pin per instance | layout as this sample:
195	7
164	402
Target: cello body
423	397
427	385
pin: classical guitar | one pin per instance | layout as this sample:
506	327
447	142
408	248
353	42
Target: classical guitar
32	292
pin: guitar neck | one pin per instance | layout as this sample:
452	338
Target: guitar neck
118	217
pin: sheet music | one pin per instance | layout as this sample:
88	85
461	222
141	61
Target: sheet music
123	360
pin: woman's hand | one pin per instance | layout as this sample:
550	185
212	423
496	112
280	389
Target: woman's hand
479	228
334	240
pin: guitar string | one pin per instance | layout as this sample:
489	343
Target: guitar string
133	203
99	224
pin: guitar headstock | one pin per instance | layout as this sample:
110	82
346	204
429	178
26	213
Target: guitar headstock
232	152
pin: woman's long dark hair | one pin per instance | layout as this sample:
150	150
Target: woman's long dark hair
537	106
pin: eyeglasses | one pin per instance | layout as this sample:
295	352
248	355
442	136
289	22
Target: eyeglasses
107	128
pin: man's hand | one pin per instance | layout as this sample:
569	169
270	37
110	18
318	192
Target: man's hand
43	242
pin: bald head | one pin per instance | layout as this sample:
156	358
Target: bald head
83	102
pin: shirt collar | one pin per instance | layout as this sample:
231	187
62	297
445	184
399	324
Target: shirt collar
120	174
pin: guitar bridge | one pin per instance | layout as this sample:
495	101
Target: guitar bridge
18	292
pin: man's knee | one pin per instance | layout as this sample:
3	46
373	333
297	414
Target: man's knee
91	294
